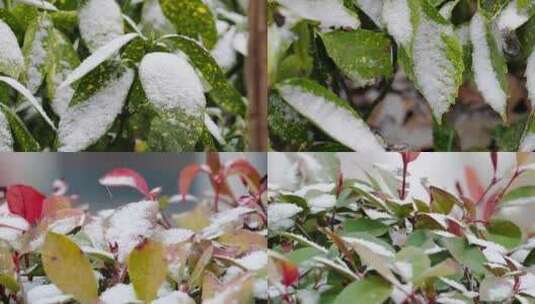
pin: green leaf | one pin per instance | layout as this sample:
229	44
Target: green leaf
68	268
286	124
443	269
470	256
191	18
505	233
370	290
373	227
530	259
361	54
147	269
518	197
419	262
330	113
303	255
23	139
222	92
442	201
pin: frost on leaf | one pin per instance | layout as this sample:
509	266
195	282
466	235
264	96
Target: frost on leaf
11	59
153	20
330	13
35	50
488	64
130	225
176	93
437	57
6	139
100	22
63	61
84	123
330	113
280	215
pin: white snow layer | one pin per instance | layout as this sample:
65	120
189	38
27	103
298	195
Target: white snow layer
131	224
119	294
153	19
511	17
223	52
100	21
46	294
98	57
12	227
433	70
254	261
331	13
485	76
528	143
372	8
396	15
338	122
170	82
176	297
36	59
11	59
6	139
86	122
280	215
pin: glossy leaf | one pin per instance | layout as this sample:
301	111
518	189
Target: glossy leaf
25	201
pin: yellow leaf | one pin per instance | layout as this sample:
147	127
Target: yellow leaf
68	268
147	269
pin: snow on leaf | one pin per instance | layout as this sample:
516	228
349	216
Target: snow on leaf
488	64
170	82
100	22
330	113
396	15
130	225
98	57
512	17
119	294
36	53
495	289
530	77
147	269
173	236
254	261
42	4
125	177
372	8
84	123
11	59
176	297
438	60
28	95
212	127
6	139
23	140
338	15
68	268
153	20
47	294
280	215
12	227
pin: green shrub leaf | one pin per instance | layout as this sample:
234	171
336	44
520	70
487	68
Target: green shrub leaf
371	290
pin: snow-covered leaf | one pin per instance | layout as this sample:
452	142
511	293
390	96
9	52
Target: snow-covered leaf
175	91
100	22
21	139
119	294
125	177
338	16
68	268
496	289
28	95
153	20
221	91
99	56
47	294
86	122
36	51
372	8
280	215
330	113
488	64
11	59
6	139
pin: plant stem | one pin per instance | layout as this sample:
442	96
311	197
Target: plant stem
404	182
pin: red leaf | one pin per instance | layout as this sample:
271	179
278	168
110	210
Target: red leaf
290	273
244	169
475	189
186	178
409	157
125	177
25	201
214	162
494	159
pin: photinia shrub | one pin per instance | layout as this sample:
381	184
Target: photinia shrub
401	75
101	75
339	240
53	250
